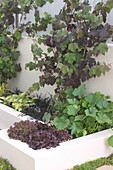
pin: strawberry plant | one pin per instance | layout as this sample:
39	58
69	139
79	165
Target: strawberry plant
84	114
38	135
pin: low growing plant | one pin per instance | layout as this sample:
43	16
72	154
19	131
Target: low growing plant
18	101
38	135
5	165
82	114
93	165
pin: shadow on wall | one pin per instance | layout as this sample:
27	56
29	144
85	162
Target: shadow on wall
26	78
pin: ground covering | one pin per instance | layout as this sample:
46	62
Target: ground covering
5	165
92	165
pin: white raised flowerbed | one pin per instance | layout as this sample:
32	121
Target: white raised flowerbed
8	116
68	154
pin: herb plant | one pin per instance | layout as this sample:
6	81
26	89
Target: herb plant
78	34
84	115
18	101
37	135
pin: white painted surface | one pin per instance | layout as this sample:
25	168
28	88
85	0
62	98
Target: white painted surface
68	154
8	116
104	84
26	78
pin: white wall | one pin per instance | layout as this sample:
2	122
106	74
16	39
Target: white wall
26	78
104	84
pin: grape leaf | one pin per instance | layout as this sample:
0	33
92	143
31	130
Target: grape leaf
69	93
102	47
73	47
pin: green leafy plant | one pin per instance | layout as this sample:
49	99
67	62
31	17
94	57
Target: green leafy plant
4	164
9	39
110	141
8	43
2	89
84	115
78	34
18	101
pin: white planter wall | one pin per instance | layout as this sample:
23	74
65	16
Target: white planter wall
9	116
63	157
26	78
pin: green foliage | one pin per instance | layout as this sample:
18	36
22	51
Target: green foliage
98	70
46	118
2	89
77	35
8	43
18	101
84	114
4	164
93	165
110	141
35	87
8	40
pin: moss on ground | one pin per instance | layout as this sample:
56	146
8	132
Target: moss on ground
92	165
5	165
